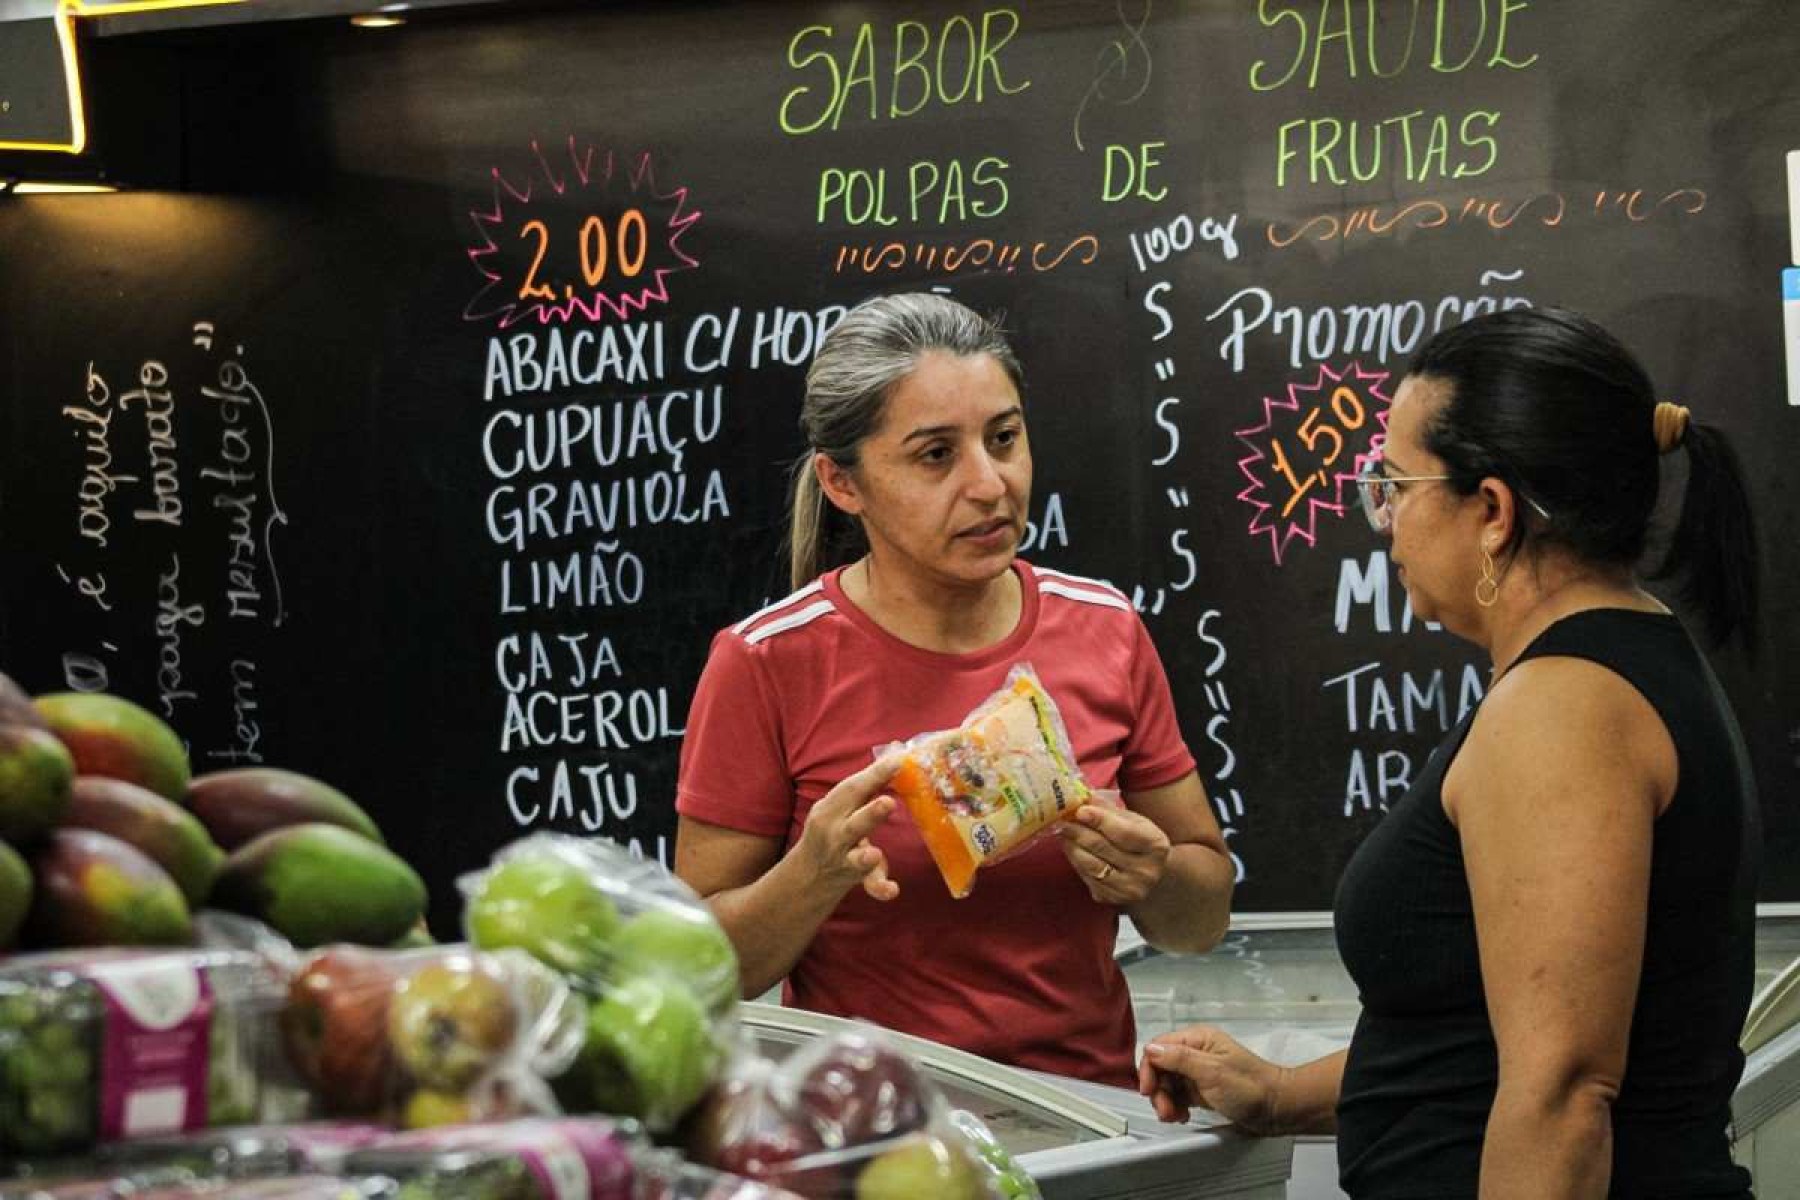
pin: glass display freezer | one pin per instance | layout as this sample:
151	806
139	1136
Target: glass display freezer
1078	1140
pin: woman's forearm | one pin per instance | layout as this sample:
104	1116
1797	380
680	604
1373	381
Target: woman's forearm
1190	908
1549	1143
772	920
1306	1101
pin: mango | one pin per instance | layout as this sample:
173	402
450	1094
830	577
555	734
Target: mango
318	883
247	802
165	831
15	706
15	895
111	736
94	890
35	773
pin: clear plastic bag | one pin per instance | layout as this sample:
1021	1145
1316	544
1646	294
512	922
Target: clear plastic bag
102	1044
994	784
845	1118
657	974
1007	1174
429	1037
565	1159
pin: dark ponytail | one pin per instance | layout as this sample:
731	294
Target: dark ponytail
1712	558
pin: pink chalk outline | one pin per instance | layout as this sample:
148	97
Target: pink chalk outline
1304	525
582	172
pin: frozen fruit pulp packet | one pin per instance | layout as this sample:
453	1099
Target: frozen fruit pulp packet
992	785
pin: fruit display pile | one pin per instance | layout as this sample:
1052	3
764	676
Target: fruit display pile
221	985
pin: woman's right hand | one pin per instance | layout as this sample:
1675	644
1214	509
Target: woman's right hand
834	841
1200	1067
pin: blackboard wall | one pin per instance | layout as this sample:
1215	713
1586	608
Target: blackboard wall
267	441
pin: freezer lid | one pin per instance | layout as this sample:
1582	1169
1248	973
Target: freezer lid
1074	1118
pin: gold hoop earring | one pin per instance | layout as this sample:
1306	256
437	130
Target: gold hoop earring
1487	588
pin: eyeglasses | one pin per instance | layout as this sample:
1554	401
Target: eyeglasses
1377	492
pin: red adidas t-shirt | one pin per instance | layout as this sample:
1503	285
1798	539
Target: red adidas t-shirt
800	695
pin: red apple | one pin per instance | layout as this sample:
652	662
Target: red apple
858	1090
335	1027
740	1127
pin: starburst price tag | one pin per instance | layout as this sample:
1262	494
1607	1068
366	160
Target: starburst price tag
578	241
1310	445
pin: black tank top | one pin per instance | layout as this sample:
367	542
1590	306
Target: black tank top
1422	1069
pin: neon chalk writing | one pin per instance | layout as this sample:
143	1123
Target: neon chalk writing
554	511
604	576
1368	587
1382	331
171	615
1310	444
911	64
550	360
1460	38
607	719
525	660
600	793
246	726
92	424
1162	242
1228	800
936	193
241	491
1124	62
1545	210
92	586
979	254
159	428
1050	529
583	240
601	435
1415	146
1370	705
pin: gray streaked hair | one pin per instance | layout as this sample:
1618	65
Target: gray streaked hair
864	357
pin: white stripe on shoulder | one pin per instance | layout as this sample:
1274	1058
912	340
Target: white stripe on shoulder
793	620
791	598
1085	595
1078	580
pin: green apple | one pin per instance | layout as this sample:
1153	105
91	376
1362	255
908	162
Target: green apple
924	1167
548	908
650	1050
689	947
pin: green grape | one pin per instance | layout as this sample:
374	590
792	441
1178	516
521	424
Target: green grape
54	1039
60	1114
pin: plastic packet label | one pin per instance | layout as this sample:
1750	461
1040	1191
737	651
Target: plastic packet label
154	1046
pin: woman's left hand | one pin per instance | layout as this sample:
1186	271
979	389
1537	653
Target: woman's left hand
1119	854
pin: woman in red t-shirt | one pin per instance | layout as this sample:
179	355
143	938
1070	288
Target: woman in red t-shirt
910	608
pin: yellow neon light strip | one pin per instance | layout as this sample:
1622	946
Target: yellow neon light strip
108	8
66	12
65	36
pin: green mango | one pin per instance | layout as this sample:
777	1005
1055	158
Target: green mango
242	803
35	773
160	828
317	883
111	736
94	890
15	895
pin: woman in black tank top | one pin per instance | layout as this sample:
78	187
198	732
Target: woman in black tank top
1552	931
